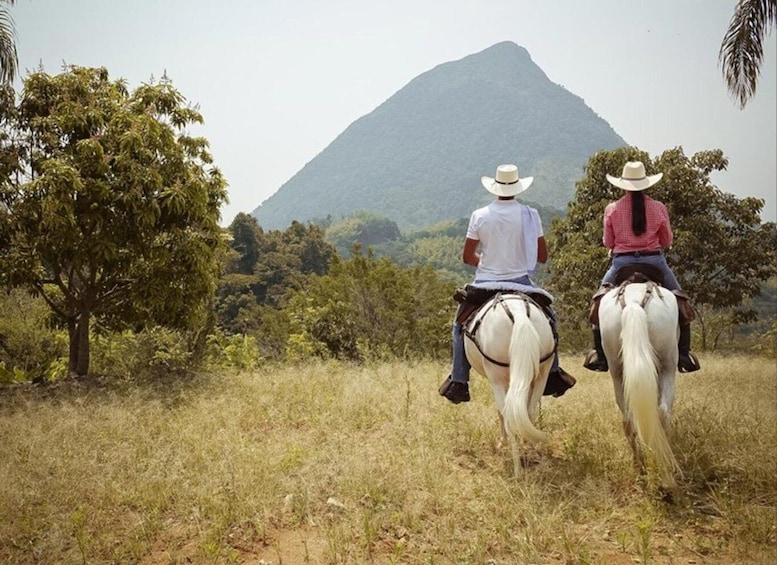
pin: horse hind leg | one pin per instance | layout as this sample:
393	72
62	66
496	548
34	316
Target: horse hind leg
666	394
515	451
638	456
503	439
520	458
516	444
498	387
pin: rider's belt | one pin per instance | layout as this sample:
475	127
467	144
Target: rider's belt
637	253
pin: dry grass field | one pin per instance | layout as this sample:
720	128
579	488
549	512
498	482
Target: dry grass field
334	463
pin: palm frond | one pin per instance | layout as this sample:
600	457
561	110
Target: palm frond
9	62
741	52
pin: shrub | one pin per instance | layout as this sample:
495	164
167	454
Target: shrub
29	345
151	353
232	351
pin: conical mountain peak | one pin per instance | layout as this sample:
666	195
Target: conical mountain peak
418	157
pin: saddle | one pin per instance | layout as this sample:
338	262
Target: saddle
471	298
642	273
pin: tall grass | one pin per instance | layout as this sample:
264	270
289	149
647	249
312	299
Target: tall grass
336	463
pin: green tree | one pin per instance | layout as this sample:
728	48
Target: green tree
367	307
8	59
362	227
308	242
246	237
263	269
721	252
109	209
286	258
741	52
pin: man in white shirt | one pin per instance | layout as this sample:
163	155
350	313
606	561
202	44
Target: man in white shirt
511	242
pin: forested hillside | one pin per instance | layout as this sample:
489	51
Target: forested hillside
417	158
438	246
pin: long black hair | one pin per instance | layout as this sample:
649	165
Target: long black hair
638	221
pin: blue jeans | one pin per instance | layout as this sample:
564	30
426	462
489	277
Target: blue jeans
461	365
658	261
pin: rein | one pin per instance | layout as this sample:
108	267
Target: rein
499	300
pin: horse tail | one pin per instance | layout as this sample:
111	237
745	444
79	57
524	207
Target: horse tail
524	366
640	386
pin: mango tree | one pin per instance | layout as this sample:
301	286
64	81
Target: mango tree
109	208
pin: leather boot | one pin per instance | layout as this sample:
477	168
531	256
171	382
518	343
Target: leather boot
595	360
558	383
454	391
687	362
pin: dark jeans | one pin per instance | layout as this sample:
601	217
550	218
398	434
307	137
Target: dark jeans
658	261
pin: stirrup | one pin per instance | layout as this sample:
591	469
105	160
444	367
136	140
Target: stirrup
688	363
594	363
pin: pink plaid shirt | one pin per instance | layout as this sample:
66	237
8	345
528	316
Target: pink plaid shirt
617	227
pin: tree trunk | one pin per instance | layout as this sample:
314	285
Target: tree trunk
78	331
82	367
701	312
72	332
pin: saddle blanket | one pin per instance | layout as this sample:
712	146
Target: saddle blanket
513	287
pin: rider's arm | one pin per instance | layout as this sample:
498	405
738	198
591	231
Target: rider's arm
665	230
608	235
542	250
470	256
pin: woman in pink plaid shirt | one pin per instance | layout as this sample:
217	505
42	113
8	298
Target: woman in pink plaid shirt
636	230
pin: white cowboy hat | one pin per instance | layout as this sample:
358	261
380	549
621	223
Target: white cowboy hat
506	182
634	178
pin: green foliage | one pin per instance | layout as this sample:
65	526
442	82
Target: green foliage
232	351
246	239
286	257
30	349
767	341
362	227
11	376
438	246
741	52
29	346
149	354
9	61
262	269
367	308
721	252
236	306
108	207
757	330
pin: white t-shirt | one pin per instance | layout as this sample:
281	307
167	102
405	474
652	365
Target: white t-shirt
508	233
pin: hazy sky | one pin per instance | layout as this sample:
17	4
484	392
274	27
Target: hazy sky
278	80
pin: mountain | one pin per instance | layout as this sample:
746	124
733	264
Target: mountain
418	157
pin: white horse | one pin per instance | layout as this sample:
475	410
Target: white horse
639	329
510	341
